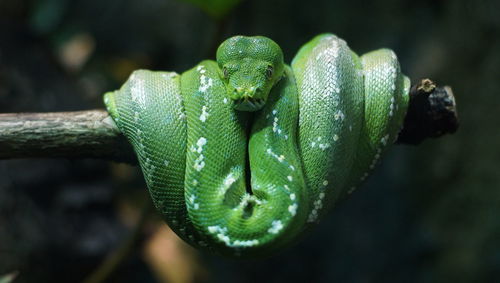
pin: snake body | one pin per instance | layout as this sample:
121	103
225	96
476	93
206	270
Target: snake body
242	155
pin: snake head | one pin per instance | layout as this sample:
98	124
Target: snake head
250	67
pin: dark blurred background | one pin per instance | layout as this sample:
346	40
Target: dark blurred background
429	213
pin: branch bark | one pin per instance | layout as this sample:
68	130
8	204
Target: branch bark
82	134
93	134
432	112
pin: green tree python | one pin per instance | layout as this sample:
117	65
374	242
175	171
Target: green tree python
244	154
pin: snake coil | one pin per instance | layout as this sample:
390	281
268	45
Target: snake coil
243	154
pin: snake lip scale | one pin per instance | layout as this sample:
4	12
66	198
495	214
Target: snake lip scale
249	104
243	155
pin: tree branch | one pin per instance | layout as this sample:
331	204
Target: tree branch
93	134
432	112
82	134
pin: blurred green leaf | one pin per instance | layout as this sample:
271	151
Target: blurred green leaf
8	278
47	15
216	9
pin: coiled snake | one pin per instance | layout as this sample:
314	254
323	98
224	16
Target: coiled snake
243	155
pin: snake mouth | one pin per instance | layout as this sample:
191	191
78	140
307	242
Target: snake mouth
249	104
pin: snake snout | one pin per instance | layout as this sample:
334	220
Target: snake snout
248	92
249	104
247	98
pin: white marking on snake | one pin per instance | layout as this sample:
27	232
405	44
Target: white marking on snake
192	199
391	106
384	140
249	198
312	216
213	229
351	190
205	83
221	235
280	158
199	163
323	146
204	114
363	177
138	91
224	238
276	227
339	115
275	124
293	209
229	180
200	143
377	156
245	243
318	204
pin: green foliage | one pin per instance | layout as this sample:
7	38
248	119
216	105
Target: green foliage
216	9
46	15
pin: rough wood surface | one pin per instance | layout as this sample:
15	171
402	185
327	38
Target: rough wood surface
82	134
432	112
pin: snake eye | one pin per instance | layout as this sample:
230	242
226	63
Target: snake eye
269	72
225	72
